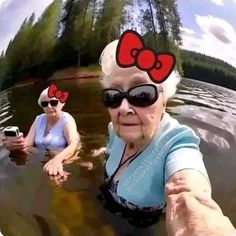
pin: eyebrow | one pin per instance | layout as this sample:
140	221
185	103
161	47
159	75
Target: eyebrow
138	80
135	80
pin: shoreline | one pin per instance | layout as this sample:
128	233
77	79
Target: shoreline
66	74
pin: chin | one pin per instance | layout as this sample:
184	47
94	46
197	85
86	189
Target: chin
51	114
131	137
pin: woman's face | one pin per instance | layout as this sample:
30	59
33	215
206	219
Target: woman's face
133	123
51	106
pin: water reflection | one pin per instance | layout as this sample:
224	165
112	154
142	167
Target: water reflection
210	110
4	108
37	205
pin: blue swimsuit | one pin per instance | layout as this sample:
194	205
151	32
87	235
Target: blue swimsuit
141	185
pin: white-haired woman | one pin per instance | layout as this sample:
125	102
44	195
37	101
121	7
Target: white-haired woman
52	130
150	155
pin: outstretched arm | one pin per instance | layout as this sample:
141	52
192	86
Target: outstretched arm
190	209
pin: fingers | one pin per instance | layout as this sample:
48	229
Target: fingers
192	202
59	179
97	152
94	153
18	144
60	169
54	167
175	189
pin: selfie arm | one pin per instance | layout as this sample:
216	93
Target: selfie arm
191	210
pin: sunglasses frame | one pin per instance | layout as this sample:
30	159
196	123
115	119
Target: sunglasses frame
125	94
49	102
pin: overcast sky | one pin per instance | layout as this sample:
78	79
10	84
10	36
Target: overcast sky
209	26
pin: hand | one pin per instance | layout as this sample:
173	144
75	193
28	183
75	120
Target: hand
97	152
59	179
192	214
54	166
17	145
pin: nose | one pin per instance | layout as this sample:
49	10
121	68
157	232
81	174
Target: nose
49	105
125	107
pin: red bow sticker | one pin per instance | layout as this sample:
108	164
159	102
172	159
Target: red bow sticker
131	51
54	92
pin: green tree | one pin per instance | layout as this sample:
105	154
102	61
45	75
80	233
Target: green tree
18	49
169	19
108	24
43	37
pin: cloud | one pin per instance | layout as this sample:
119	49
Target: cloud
218	2
217	39
1	1
187	31
13	13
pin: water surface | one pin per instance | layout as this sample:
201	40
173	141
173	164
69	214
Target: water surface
32	204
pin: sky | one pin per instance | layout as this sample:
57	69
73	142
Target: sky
209	26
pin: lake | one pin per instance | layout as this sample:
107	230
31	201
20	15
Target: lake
33	204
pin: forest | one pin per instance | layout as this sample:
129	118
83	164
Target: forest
74	32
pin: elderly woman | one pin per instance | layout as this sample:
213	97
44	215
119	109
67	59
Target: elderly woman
52	130
150	155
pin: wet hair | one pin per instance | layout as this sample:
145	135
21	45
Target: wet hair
110	68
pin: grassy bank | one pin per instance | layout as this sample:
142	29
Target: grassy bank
77	73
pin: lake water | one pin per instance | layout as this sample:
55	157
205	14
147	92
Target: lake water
32	204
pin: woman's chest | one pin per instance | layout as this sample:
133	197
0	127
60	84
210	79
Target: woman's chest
142	181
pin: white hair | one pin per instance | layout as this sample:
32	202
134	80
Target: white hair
43	95
110	68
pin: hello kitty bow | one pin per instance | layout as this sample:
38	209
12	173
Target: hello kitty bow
54	92
131	51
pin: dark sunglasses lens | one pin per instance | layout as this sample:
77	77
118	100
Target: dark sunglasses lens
143	96
53	103
44	104
111	98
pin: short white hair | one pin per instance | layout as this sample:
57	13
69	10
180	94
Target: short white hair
110	67
43	95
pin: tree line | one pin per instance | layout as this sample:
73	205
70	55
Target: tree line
74	33
208	69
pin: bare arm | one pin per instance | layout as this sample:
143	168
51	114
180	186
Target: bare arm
190	209
29	140
73	140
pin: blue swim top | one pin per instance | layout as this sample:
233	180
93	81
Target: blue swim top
173	148
55	137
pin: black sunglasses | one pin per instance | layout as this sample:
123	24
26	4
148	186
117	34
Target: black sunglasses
53	103
140	96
